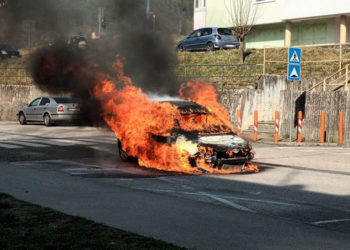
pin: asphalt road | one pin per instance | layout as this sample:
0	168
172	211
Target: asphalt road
299	200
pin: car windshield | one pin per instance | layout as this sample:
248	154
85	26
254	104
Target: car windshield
64	100
197	118
225	31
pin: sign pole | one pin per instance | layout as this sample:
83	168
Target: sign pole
291	111
293	74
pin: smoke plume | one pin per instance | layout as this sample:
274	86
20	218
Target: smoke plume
148	55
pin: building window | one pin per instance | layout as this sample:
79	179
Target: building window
262	1
200	3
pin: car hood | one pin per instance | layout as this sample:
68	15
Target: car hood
223	142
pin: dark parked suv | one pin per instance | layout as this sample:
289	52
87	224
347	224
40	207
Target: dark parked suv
7	51
209	39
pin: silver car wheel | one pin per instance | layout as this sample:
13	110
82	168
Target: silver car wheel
47	120
22	119
210	46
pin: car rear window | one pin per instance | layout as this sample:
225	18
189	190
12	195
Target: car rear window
64	100
225	31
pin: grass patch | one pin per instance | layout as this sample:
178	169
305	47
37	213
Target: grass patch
27	226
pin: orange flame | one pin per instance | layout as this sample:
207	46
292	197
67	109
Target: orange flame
135	120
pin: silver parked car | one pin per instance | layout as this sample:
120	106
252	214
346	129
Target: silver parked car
209	39
48	110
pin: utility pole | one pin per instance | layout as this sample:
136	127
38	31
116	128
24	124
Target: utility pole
101	14
148	9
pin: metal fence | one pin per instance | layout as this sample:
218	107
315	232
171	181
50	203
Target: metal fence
14	76
317	60
223	75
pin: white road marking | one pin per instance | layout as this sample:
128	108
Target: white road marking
29	144
74	142
99	141
226	202
51	142
329	221
5	145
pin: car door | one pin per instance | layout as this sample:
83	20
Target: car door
191	42
42	108
204	38
31	112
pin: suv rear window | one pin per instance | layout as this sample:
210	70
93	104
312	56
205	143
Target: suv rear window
64	100
225	31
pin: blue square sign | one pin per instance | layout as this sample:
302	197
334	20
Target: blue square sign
294	71
294	55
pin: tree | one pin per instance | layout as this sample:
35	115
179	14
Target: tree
242	16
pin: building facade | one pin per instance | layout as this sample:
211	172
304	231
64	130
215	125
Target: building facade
283	22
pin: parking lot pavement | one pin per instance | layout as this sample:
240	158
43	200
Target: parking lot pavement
299	200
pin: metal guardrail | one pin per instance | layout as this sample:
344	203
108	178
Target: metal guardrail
14	75
219	71
335	81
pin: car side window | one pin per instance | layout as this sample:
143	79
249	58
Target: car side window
195	33
206	32
35	102
44	101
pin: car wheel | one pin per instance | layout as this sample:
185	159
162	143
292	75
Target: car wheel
123	155
180	48
47	120
210	46
22	119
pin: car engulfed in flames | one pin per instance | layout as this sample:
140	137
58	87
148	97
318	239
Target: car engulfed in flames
218	147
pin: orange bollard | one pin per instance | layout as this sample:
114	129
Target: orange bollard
255	125
341	126
239	120
322	126
277	125
300	128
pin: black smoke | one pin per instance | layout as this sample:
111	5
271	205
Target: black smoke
146	50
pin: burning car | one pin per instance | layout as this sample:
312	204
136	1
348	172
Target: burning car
219	147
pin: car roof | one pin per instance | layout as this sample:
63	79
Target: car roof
187	107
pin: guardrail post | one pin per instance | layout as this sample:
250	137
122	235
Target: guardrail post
347	77
322	135
264	69
222	77
300	118
324	84
340	137
340	55
255	86
255	136
277	125
239	121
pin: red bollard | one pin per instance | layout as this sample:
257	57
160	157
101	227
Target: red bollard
300	129
255	125
277	125
239	120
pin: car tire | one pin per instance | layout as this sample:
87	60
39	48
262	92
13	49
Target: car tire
22	119
47	120
123	155
180	48
210	46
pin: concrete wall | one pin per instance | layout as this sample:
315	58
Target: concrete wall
12	97
274	94
311	104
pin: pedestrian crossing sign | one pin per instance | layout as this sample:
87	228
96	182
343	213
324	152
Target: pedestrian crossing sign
294	55
294	71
